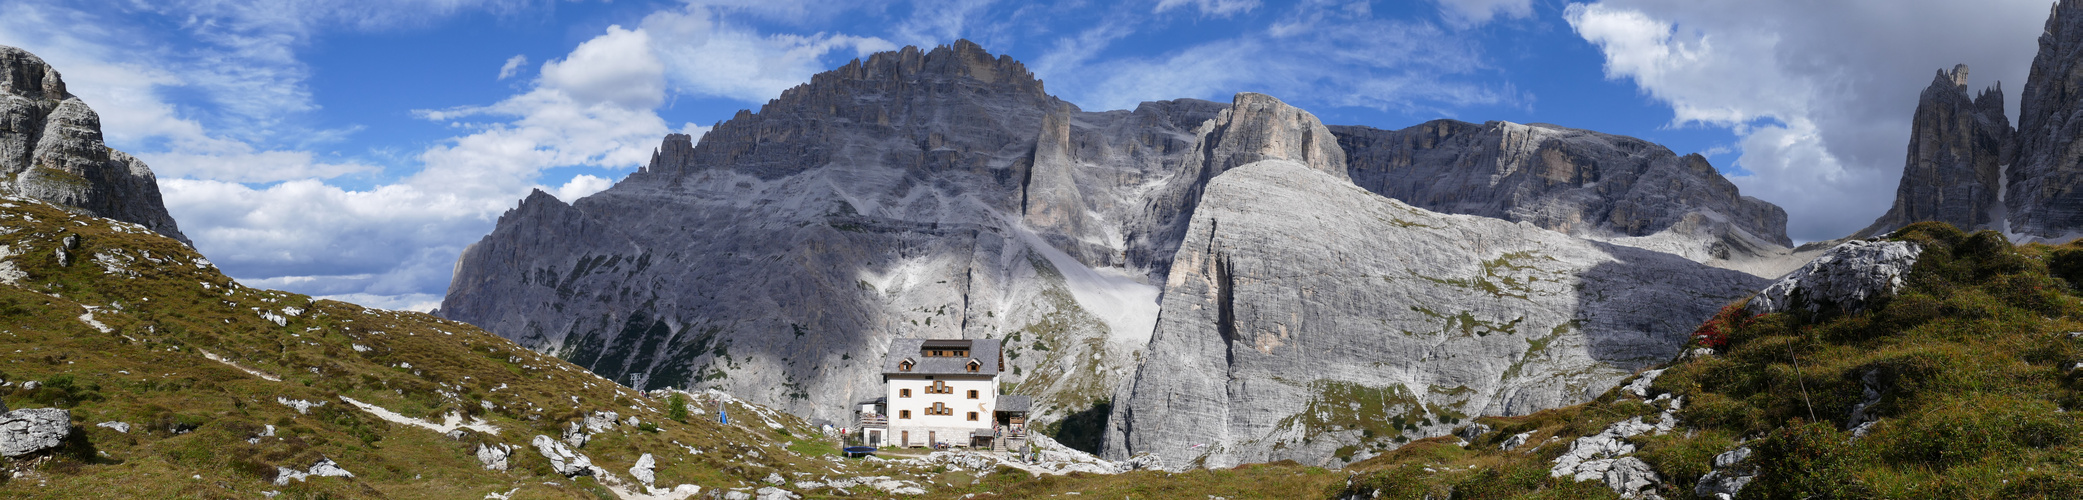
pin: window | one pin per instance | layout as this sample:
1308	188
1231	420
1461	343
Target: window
972	416
940	409
904	366
940	387
972	395
903	413
903	393
945	353
974	366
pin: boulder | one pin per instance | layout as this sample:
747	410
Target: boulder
32	430
642	471
562	459
494	456
1850	277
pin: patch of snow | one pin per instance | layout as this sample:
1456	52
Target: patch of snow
88	318
1129	307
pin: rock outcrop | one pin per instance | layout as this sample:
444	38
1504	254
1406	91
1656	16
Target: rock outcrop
1306	318
32	430
51	149
1850	277
2047	172
1603	187
1958	148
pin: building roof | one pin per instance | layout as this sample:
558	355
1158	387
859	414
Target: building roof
984	351
1014	403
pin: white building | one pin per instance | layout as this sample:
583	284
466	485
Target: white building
944	392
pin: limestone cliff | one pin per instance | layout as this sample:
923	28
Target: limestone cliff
1308	319
51	149
1958	148
1616	189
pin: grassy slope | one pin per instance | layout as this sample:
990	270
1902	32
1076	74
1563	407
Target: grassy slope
1976	368
167	307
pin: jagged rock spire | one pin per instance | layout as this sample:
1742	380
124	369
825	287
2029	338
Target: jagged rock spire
51	149
1957	149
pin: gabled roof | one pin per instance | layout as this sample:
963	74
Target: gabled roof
1014	403
984	351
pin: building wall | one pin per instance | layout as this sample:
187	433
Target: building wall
953	428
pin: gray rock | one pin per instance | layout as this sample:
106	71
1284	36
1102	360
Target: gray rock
773	493
32	430
1470	433
1958	148
494	456
601	421
776	479
1515	441
51	149
575	434
2046	172
642	471
1849	278
562	459
1288	328
1610	188
324	468
123	427
736	495
1730	473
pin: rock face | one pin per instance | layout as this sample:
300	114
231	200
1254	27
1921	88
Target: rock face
1958	148
51	149
916	193
1849	277
1609	188
32	430
1306	318
936	194
2043	180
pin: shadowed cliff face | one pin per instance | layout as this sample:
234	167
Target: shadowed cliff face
1591	185
1958	148
2041	196
51	149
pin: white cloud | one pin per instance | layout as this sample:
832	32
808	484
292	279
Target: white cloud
1819	93
512	66
1214	8
1469	13
1316	54
618	67
705	56
579	187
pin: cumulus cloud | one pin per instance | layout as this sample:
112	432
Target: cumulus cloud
1819	94
705	56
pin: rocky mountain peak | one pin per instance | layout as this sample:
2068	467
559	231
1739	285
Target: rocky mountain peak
1957	151
51	149
952	102
1259	127
24	74
673	155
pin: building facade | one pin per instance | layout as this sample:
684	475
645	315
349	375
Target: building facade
942	393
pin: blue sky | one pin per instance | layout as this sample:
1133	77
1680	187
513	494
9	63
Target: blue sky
352	148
